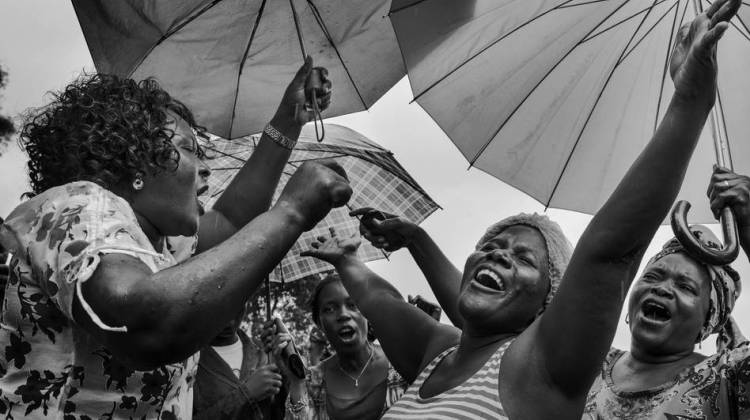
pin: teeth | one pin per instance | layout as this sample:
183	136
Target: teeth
485	273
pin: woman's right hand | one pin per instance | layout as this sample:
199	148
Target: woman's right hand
274	342
313	190
384	230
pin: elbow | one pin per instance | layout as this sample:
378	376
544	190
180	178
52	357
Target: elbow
148	352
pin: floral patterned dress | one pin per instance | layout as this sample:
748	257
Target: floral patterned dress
716	388
49	367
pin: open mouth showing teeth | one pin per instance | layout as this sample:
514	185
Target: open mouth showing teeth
347	332
656	311
489	278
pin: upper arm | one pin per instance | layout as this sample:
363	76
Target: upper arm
118	295
410	338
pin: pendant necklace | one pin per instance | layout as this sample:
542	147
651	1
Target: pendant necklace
356	380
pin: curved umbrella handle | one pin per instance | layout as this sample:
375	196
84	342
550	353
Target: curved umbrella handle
697	249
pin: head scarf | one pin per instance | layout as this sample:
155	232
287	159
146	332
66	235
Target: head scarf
725	289
559	248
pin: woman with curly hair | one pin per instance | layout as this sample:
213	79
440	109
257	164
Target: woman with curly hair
102	317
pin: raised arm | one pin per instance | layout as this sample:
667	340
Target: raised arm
410	337
171	314
251	190
568	344
396	232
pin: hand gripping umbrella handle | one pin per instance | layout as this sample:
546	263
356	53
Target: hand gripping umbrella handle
697	249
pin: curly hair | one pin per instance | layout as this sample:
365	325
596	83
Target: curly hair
104	129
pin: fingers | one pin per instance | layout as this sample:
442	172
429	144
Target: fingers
714	35
360	211
722	11
303	72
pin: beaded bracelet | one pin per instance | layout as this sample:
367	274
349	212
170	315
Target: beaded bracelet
279	138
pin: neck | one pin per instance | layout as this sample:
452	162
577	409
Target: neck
642	356
472	343
354	360
226	340
152	233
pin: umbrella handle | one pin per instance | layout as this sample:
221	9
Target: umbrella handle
696	248
314	83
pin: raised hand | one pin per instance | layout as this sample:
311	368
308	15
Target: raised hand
264	382
730	189
293	106
314	189
384	230
693	63
332	249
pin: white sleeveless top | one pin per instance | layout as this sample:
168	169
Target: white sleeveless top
476	398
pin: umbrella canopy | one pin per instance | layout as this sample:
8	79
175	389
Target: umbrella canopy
376	178
230	60
557	98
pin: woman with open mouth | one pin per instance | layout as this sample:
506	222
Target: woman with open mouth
677	302
507	361
357	382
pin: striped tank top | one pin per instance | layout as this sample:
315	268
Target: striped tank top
476	398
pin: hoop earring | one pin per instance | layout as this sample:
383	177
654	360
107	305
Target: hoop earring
138	183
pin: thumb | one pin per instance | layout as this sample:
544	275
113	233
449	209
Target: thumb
303	73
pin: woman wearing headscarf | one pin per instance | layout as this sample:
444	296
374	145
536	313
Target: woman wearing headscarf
102	318
677	302
506	356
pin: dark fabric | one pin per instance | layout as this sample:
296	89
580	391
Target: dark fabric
219	395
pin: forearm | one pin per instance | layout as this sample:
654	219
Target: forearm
442	276
250	192
174	312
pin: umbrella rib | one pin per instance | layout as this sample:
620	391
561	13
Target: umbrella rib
405	7
724	123
582	4
616	24
518	106
490	45
651	29
171	32
319	19
666	63
593	107
242	64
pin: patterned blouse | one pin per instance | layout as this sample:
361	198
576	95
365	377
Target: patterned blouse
716	388
50	368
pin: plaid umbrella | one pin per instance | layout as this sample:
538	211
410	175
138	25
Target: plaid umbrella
377	180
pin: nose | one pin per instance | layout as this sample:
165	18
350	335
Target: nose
501	256
661	291
344	314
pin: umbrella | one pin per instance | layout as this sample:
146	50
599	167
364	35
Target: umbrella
230	60
558	97
376	178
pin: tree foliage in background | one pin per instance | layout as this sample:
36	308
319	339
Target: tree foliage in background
290	302
6	124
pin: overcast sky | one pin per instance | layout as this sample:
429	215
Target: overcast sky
42	48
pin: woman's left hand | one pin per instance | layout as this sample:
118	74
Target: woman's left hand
728	189
293	107
333	249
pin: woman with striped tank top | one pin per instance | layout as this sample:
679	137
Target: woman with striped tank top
508	361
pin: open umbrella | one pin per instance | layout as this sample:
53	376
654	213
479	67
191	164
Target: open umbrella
376	178
558	97
230	60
